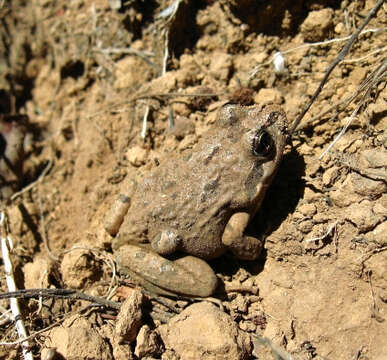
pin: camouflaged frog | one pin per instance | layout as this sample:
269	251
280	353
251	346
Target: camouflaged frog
196	206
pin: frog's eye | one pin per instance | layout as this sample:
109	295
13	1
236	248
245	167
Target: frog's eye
263	144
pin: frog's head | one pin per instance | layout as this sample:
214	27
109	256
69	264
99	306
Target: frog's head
261	133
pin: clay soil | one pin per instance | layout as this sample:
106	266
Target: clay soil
86	74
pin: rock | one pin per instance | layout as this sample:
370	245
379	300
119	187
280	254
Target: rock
78	267
183	126
373	158
330	176
357	75
137	155
307	209
367	187
202	331
131	72
355	187
266	96
36	273
129	317
378	234
77	339
362	216
221	65
340	28
147	343
317	25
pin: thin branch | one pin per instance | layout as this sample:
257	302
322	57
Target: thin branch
6	245
37	181
61	294
375	79
338	59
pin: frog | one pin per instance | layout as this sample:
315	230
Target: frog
195	206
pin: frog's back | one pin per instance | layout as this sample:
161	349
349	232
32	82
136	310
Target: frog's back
193	195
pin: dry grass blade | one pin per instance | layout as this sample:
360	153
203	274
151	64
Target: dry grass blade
344	51
371	82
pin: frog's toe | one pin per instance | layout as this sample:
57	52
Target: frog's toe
167	242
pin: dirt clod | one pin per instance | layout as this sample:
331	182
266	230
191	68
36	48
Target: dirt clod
129	317
189	338
76	339
317	24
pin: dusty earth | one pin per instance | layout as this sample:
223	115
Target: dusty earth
86	73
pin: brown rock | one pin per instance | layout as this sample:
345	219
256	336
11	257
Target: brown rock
36	273
78	267
266	96
137	155
183	126
77	339
317	25
202	331
307	209
129	317
128	74
220	66
362	216
147	343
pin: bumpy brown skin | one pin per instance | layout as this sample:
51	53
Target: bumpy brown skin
200	202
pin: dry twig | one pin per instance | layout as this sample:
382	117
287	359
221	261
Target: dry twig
344	51
6	246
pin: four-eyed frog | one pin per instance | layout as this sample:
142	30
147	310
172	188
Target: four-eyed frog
199	204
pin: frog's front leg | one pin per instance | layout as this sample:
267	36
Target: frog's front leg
188	275
242	246
116	215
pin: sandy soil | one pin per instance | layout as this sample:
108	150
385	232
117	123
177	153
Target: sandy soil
85	74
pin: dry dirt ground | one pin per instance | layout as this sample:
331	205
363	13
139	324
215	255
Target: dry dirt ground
86	73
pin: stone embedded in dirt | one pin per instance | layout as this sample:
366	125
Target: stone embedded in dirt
221	65
131	72
378	234
203	331
183	126
147	343
317	25
362	216
355	187
266	96
36	273
357	75
78	267
77	339
373	158
330	175
307	209
129	317
137	155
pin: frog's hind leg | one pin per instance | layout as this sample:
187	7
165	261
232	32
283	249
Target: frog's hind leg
188	275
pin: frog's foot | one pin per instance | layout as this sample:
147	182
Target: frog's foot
246	248
167	242
242	246
187	276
